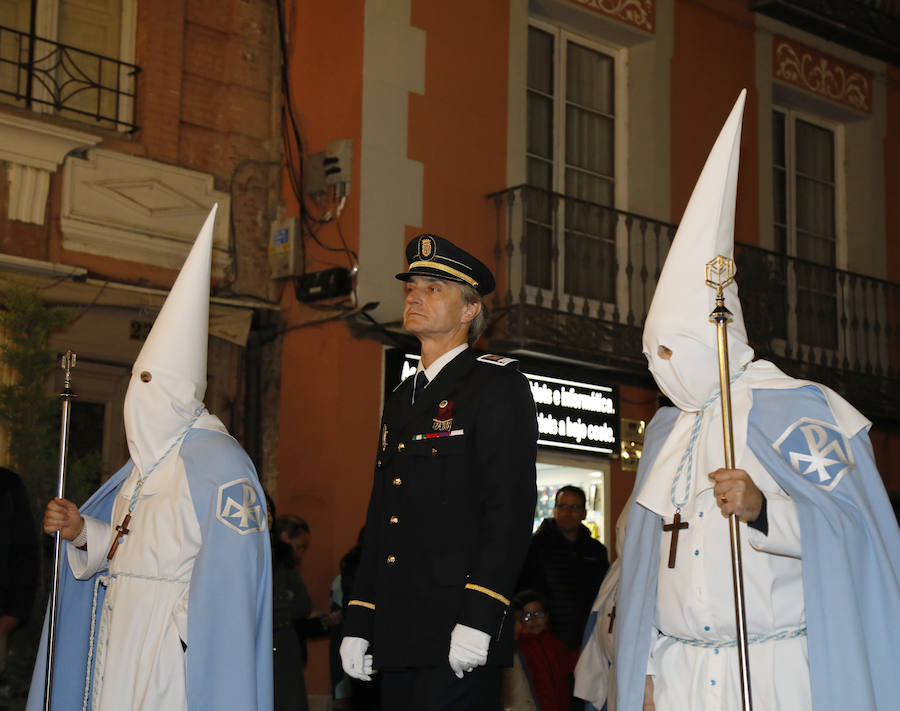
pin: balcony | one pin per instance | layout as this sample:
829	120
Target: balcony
45	76
871	27
580	278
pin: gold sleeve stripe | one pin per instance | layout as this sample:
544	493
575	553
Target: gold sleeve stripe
370	605
486	591
444	268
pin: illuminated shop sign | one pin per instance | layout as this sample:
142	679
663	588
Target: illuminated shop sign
573	414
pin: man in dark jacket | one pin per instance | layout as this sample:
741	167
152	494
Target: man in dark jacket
18	557
452	503
566	565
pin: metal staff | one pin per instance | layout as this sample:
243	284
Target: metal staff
67	362
719	274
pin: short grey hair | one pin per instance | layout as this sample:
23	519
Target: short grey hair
479	323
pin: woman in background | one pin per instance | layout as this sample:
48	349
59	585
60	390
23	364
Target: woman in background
291	606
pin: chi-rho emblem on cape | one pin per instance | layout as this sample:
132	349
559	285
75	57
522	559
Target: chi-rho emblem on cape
818	451
239	508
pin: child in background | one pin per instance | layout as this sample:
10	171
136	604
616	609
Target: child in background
549	663
517	693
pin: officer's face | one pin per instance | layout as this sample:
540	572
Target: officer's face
569	512
436	308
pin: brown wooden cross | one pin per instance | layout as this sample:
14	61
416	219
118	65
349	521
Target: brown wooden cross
122	529
674	527
612	618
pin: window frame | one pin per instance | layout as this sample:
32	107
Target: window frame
46	26
561	37
790	116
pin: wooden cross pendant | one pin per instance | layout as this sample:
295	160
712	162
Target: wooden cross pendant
612	618
674	527
123	531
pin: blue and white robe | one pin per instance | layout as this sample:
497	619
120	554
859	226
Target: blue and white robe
823	585
182	616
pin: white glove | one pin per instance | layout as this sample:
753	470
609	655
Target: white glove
468	649
354	659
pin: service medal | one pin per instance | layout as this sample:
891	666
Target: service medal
443	422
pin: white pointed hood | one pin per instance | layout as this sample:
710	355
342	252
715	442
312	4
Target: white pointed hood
678	317
168	379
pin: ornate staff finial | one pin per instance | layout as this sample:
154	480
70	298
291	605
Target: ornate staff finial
719	273
67	361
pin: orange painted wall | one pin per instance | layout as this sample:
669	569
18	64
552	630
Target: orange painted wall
330	394
458	127
713	59
330	382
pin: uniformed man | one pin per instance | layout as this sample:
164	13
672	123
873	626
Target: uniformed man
452	503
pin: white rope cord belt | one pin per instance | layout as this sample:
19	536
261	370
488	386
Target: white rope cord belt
104	580
752	639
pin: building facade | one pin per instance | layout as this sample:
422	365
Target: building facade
121	124
559	141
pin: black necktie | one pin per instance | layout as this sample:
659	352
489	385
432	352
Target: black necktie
421	383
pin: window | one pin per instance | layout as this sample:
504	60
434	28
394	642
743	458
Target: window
570	235
94	26
804	200
78	71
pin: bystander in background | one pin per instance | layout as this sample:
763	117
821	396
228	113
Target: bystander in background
566	565
18	562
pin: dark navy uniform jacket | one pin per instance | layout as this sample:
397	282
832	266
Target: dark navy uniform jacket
450	515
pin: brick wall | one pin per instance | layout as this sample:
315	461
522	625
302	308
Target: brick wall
208	100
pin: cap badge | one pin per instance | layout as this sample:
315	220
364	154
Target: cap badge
426	247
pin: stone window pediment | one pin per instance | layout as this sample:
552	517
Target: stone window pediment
127	207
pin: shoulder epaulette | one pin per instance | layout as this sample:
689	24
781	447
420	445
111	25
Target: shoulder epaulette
496	359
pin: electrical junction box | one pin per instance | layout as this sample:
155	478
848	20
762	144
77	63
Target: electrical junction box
333	166
314	173
326	284
339	162
284	248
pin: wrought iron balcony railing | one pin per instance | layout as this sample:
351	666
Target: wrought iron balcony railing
871	27
43	75
578	279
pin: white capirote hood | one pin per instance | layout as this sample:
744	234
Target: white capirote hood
168	379
678	318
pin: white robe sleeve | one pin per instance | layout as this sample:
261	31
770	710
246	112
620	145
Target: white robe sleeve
655	637
85	563
783	537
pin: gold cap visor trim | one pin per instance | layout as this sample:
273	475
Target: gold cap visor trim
444	268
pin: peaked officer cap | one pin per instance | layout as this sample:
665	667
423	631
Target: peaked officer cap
432	256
